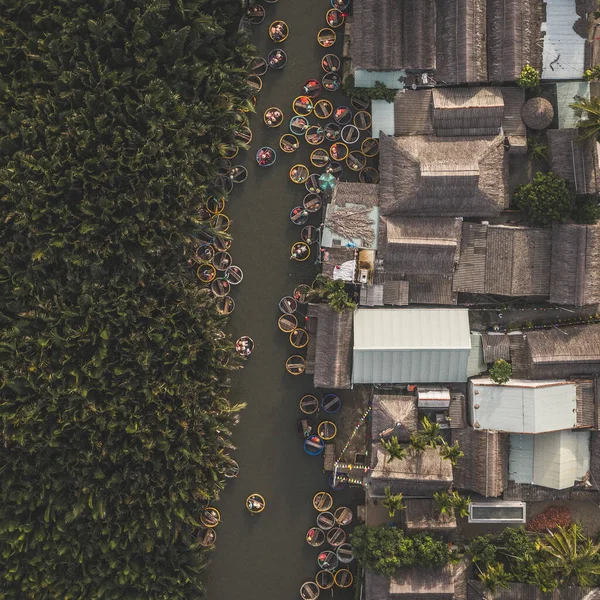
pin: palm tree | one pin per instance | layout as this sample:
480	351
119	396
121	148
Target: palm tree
443	502
393	502
494	576
430	433
573	555
331	292
451	453
394	449
460	504
588	112
417	442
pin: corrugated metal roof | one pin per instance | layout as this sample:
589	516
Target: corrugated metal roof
564	50
391	79
411	345
476	363
520	461
522	406
382	114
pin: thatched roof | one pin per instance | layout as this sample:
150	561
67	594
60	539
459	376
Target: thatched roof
529	591
461	42
395	293
575	273
413	112
431	289
537	113
423	514
331	343
394	416
352	222
484	467
467	111
504	260
388	35
442	176
513	37
574	159
512	123
495	347
362	194
433	582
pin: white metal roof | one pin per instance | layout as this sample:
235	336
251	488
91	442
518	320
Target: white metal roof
522	406
411	345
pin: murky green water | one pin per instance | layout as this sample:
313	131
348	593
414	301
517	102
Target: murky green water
265	557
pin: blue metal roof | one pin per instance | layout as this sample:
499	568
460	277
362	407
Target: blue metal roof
382	117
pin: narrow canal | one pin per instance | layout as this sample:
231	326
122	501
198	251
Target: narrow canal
266	557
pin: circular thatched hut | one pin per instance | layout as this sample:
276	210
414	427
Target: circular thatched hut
537	113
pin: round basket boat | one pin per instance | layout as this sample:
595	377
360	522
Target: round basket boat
338	151
289	143
205	253
206	273
234	275
277	59
301	293
331	63
220	222
324	579
299	173
312	184
359	103
259	66
300	251
256	14
279	31
215	205
370	147
332	82
339	4
244	135
309	404
299	215
287	323
343	578
342	115
266	156
350	134
255	503
334	18
315	135
210	517
336	483
327	430
222	165
310	234
333	132
221	260
309	590
356	161
230	151
335	168
273	117
319	158
238	174
232	470
255	83
363	120
344	553
299	125
342	516
302	106
325	520
206	537
315	537
299	337
221	243
220	287
323	109
305	427
287	305
322	501
336	537
327	560
331	403
314	445
312	88
244	345
326	37
312	203
369	175
222	184
225	305
295	365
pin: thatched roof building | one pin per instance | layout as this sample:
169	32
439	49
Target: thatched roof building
504	260
329	347
419	474
496	346
484	467
389	35
513	37
529	591
575	274
394	416
574	159
413	113
443	176
537	113
435	583
423	514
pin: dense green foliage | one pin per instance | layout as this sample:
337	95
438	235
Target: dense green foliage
529	77
333	293
379	91
501	371
113	366
586	209
452	503
588	112
546	199
592	74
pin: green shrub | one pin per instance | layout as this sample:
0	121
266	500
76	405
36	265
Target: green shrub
546	199
501	371
529	78
378	92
